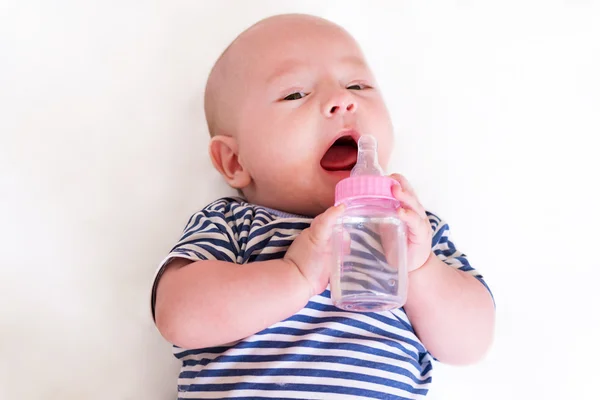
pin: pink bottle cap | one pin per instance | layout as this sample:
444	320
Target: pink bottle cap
364	186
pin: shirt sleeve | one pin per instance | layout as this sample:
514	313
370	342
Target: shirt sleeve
210	234
443	247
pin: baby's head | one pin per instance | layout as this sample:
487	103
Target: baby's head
285	105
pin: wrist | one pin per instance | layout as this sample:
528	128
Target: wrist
433	277
302	280
420	282
425	278
431	259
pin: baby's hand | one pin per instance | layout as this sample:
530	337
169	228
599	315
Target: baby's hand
311	251
419	229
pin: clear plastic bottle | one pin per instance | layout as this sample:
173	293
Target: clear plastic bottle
369	240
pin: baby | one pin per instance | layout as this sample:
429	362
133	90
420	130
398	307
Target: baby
244	294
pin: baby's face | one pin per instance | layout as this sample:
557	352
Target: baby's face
305	97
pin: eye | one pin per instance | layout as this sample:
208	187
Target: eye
358	86
295	96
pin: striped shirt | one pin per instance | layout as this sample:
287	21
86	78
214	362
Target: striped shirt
321	352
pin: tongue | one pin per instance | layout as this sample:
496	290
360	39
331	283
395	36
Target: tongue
339	158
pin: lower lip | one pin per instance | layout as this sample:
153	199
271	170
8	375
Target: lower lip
338	174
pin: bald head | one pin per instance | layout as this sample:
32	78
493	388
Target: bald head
228	77
274	101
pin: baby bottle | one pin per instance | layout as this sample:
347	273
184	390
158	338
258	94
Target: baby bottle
369	240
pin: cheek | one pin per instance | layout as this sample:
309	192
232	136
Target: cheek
292	134
275	152
260	157
257	141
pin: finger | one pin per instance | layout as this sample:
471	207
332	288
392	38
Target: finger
417	227
389	243
406	186
408	201
322	226
346	243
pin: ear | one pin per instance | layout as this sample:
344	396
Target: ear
224	156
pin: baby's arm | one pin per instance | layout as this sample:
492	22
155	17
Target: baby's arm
451	312
209	303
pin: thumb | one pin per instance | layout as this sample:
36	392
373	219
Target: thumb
322	226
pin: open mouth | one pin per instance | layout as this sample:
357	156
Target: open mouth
341	156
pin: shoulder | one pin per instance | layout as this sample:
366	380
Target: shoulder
236	215
225	208
239	210
226	205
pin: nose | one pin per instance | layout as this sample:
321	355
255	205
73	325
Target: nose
340	103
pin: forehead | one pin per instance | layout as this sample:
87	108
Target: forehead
279	46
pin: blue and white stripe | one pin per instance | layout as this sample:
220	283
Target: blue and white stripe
321	352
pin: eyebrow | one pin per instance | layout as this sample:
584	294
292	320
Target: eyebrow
287	67
291	65
354	60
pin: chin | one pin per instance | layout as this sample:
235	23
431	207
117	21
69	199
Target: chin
319	192
331	179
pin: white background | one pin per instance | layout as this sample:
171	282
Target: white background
103	158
